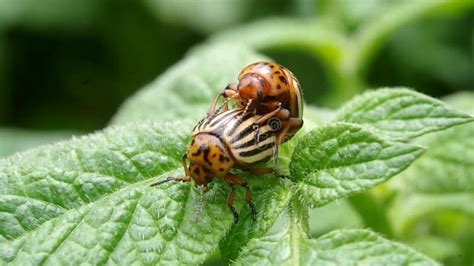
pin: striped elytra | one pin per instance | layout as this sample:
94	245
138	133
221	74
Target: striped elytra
268	110
265	83
235	128
268	90
225	141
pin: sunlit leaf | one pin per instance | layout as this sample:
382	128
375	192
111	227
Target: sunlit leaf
341	159
400	114
342	247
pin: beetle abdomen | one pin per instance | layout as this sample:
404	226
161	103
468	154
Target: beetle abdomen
236	129
247	151
243	142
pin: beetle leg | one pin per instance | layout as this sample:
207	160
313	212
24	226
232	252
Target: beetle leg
230	203
263	170
212	108
294	125
248	199
258	171
171	178
230	92
233	180
185	166
230	87
264	118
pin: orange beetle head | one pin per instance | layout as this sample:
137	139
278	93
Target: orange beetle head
251	87
208	158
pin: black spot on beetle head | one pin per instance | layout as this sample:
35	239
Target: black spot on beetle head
223	159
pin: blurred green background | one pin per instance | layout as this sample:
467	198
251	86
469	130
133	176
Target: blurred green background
68	65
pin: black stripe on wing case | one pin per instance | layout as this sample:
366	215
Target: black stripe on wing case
227	119
215	119
262	137
236	125
223	117
243	133
257	150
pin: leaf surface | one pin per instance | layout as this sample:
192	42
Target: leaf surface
341	159
400	114
340	247
89	199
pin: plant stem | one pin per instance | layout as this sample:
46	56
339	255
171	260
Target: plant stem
298	228
298	217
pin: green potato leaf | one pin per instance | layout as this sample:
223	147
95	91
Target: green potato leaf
89	199
340	247
138	224
448	165
273	200
400	114
341	159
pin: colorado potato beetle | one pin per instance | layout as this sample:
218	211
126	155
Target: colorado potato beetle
269	90
223	142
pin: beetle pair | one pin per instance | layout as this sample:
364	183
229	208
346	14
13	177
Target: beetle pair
267	111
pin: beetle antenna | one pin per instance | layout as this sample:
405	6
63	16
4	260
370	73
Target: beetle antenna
159	182
200	204
221	106
171	178
245	110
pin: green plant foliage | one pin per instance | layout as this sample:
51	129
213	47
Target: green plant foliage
436	192
272	202
90	197
400	162
446	158
343	159
400	114
99	191
85	169
291	246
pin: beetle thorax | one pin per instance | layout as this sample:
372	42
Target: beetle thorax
251	87
209	158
